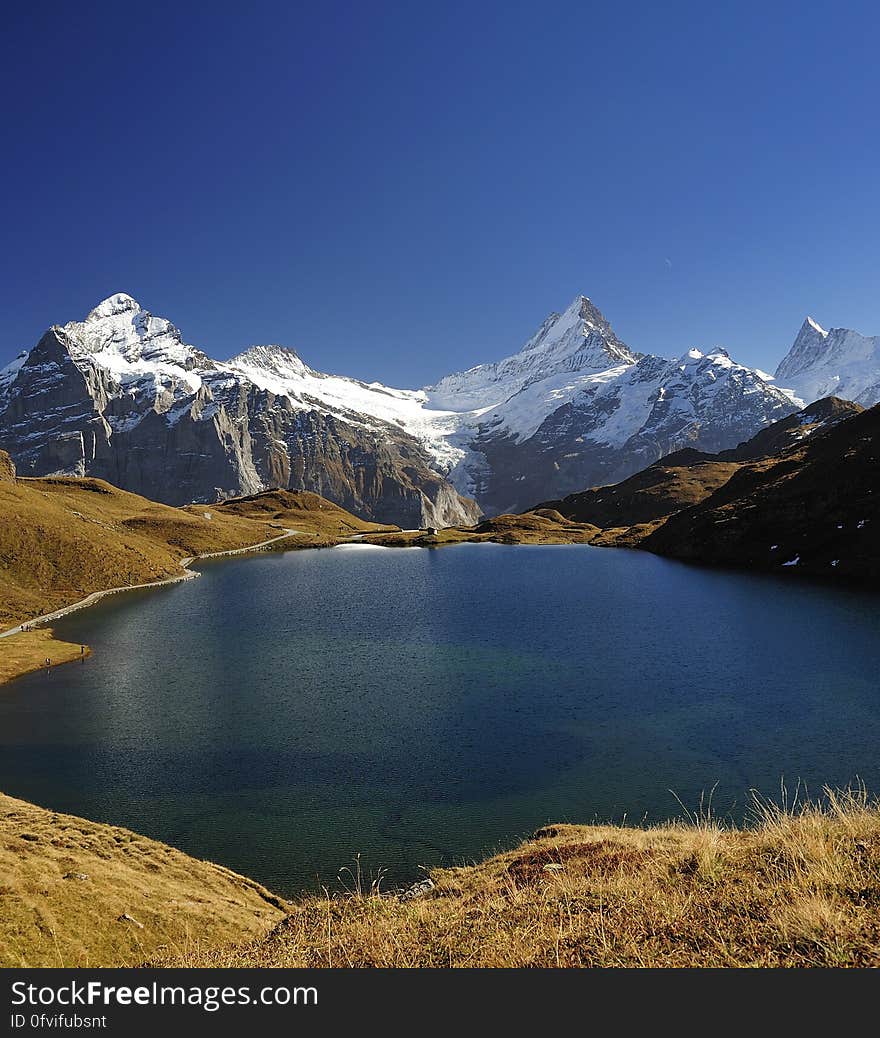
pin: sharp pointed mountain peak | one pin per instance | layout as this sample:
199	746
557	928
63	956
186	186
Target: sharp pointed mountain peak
569	332
580	318
588	312
811	325
838	362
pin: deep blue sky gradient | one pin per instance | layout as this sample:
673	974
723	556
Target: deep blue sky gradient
399	190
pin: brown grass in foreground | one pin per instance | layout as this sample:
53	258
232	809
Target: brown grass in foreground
76	893
800	888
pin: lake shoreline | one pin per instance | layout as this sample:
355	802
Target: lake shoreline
32	638
32	656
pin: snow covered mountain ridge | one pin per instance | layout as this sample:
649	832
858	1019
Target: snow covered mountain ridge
121	395
838	362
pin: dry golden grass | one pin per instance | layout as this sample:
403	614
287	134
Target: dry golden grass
75	893
319	520
800	888
26	652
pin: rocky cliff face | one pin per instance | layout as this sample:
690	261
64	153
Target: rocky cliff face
120	396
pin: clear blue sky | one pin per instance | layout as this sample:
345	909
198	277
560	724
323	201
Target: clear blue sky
401	190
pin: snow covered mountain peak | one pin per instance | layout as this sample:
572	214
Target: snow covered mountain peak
131	345
122	396
119	303
806	350
579	339
279	361
580	316
838	362
567	333
716	355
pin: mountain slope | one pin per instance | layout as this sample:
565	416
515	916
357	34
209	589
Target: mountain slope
61	538
578	340
687	477
77	893
602	427
64	538
799	497
813	508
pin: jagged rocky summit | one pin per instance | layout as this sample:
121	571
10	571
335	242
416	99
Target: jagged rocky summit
122	396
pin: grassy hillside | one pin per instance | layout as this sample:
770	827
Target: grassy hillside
319	520
75	893
799	889
812	508
62	539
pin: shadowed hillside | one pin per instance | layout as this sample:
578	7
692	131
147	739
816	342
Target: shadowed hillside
688	477
813	508
800	496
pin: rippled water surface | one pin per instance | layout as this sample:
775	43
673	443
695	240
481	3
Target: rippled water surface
285	713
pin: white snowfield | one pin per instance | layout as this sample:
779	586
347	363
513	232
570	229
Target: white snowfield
574	365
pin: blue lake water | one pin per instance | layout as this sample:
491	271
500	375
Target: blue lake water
286	713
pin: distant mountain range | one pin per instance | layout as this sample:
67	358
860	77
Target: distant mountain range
123	397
